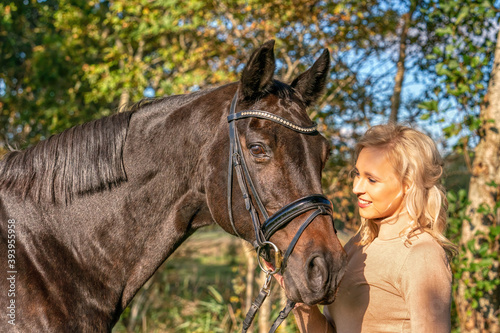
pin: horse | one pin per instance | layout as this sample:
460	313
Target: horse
88	215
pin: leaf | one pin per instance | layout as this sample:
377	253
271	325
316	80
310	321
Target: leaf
452	196
492	184
444	31
483	209
464	11
217	296
431	105
475	61
440	70
437	50
495	231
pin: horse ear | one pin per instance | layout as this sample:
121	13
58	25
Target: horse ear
311	84
259	71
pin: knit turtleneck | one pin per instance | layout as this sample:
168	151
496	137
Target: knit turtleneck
393	225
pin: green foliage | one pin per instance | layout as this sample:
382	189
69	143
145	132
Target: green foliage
466	30
478	258
80	60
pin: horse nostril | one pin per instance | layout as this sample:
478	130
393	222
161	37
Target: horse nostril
317	273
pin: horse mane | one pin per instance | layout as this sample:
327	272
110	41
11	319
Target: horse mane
83	159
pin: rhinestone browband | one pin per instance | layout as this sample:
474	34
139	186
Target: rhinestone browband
272	117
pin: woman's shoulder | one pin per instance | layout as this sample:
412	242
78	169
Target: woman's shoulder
423	248
423	241
426	263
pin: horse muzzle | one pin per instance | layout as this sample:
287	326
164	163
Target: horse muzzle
315	271
316	278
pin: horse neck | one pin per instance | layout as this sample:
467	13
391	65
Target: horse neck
165	162
114	237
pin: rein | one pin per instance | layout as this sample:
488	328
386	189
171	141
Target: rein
263	232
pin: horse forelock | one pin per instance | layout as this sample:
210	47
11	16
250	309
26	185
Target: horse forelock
282	90
295	110
80	160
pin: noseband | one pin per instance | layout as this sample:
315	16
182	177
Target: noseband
263	232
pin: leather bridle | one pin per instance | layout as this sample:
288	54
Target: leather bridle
263	232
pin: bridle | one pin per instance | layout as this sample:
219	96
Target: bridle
317	202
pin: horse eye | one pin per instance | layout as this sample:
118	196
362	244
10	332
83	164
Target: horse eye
257	150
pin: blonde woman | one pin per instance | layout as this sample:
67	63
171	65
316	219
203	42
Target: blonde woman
398	278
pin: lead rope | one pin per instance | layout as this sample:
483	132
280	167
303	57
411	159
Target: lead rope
282	316
264	291
257	303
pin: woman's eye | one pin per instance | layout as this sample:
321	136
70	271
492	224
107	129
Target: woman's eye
257	150
371	180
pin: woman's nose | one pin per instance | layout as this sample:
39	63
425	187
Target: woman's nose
357	186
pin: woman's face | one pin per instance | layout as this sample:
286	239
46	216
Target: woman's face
379	191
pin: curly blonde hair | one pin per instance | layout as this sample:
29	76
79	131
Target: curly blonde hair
419	166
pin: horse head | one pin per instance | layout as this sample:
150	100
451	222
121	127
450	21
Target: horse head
280	155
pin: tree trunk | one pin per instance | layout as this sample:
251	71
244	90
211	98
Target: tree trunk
400	73
283	302
265	309
479	245
124	100
250	277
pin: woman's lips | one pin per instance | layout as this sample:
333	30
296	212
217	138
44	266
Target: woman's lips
362	203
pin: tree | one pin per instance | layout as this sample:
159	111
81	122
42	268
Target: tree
399	78
37	76
480	232
468	32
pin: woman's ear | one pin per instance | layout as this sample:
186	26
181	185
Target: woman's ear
406	188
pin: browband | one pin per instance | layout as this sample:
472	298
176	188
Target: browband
272	117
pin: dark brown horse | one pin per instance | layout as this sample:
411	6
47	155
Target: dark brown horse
87	216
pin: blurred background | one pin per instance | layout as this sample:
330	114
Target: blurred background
429	64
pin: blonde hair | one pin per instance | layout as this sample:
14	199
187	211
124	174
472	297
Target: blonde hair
419	166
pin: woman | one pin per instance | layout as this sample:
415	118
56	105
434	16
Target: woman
398	277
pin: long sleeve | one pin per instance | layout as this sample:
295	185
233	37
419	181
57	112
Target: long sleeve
426	286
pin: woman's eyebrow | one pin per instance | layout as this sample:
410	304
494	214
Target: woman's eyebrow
366	173
371	175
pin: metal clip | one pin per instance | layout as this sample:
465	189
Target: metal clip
267	283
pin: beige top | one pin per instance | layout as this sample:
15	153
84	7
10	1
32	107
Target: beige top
390	286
